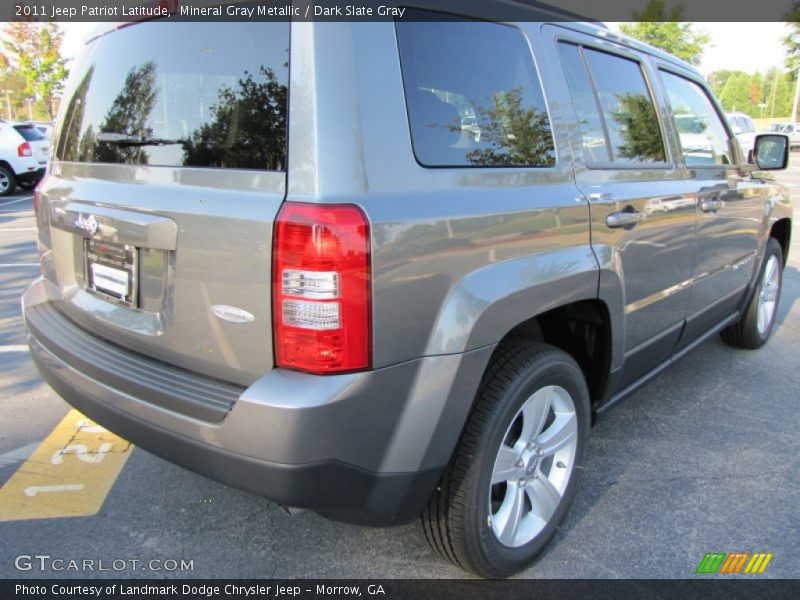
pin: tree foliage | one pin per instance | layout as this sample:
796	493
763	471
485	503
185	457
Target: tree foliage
639	129
664	29
249	126
128	115
756	94
35	50
514	134
792	40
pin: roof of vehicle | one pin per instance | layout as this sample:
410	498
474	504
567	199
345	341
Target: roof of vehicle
541	9
739	114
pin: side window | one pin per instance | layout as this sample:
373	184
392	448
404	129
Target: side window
593	137
703	137
628	109
616	113
473	94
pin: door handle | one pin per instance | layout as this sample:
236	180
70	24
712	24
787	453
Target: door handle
710	205
624	219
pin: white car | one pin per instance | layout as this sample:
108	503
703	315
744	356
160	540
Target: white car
793	131
745	131
23	156
45	128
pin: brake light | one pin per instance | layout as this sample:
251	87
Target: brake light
24	149
321	288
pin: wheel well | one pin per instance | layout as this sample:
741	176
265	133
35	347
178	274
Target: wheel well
782	231
6	165
582	330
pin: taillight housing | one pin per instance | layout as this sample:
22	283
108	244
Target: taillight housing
24	149
321	288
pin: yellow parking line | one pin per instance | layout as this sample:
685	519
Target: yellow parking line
68	475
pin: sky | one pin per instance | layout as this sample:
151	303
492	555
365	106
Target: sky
744	46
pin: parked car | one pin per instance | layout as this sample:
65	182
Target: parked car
368	309
23	156
792	130
745	131
45	128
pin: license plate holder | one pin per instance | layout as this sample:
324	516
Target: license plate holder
111	271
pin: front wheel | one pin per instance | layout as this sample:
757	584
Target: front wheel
756	324
515	471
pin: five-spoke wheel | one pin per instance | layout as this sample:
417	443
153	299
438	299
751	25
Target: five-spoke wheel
515	471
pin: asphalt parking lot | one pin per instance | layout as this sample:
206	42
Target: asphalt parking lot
704	459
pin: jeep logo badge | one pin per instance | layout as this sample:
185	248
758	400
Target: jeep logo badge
88	224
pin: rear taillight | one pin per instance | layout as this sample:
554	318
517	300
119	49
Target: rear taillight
24	149
321	288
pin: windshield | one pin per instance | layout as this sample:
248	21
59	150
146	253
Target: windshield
183	94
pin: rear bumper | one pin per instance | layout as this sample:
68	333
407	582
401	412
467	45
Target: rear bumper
365	448
31	177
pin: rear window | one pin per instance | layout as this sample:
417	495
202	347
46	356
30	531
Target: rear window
473	94
183	94
30	133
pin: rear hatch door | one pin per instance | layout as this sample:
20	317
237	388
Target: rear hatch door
169	171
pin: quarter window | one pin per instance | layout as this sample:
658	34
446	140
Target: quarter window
703	137
473	94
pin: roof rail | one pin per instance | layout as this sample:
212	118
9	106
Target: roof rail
567	15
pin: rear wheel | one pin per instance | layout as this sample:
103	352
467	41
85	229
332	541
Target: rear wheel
756	324
515	471
8	182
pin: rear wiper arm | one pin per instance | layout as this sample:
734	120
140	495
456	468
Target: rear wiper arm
122	139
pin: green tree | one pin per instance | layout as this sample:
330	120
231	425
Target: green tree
249	126
777	90
639	129
664	29
36	50
73	123
515	135
736	94
792	40
128	115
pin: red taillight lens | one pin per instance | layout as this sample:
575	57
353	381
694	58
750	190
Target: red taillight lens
321	288
24	149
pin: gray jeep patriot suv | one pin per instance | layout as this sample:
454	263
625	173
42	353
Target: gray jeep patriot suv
391	269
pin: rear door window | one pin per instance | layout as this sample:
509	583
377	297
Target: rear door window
596	148
617	117
183	94
473	94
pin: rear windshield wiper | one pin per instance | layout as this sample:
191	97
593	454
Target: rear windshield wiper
122	139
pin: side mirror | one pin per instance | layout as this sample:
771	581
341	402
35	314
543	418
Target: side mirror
771	151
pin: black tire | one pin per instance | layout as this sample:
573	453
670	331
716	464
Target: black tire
9	181
457	521
745	333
